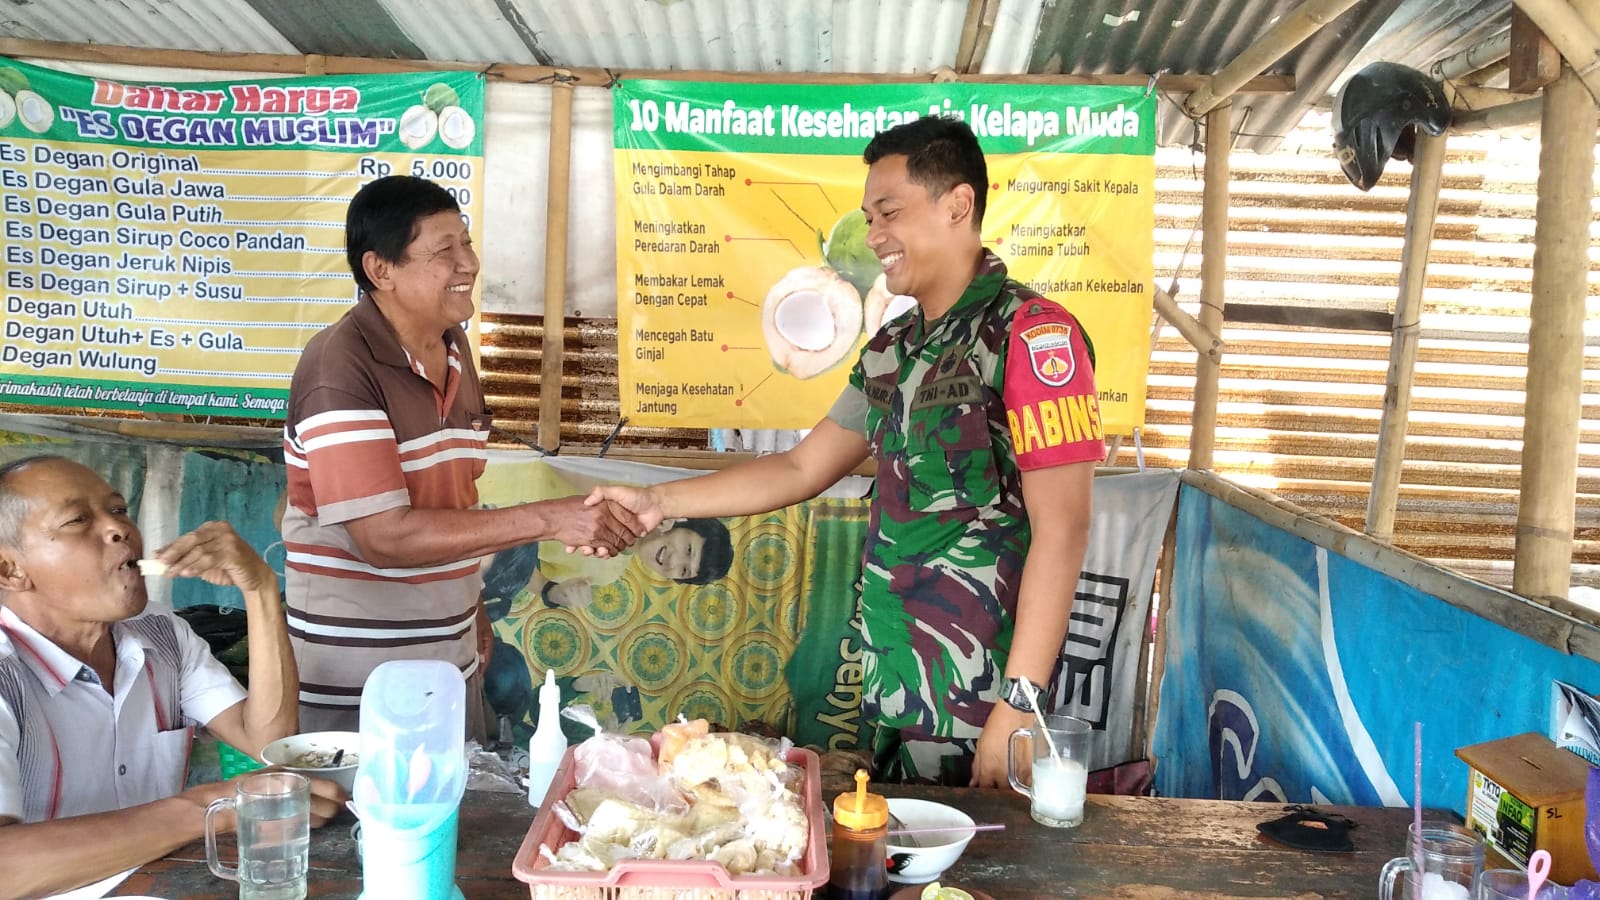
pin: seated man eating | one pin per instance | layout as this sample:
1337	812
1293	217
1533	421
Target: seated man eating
99	698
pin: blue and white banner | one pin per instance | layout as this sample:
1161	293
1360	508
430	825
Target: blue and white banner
1294	674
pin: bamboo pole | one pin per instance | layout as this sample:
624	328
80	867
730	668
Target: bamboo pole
1567	29
287	64
555	265
1484	53
1199	336
1545	509
1421	213
1213	274
1507	115
1151	694
1287	34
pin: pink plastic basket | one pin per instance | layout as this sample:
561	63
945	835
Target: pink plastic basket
654	879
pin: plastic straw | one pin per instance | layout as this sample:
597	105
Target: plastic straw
1416	812
998	827
1038	713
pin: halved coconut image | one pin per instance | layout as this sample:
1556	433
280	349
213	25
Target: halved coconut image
882	307
35	112
456	127
810	319
8	109
418	125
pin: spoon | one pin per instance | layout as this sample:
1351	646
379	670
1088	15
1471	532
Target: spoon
1538	871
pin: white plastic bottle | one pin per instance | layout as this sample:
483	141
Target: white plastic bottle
548	744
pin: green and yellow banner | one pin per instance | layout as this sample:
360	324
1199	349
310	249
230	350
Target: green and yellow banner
171	247
745	288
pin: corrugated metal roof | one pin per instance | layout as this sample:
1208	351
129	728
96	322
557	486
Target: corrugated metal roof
892	36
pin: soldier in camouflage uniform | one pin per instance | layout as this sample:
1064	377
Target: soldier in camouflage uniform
980	409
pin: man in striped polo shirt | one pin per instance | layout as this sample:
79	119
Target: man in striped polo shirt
385	438
99	697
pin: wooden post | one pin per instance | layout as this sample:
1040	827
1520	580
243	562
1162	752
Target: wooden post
1545	510
1421	212
1291	30
555	265
1213	273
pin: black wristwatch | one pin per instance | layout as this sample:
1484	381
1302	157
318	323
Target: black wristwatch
1018	697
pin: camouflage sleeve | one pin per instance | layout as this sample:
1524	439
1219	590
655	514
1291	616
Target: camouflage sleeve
1048	388
850	410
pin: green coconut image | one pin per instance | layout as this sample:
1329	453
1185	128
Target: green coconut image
846	252
8	109
12	81
439	96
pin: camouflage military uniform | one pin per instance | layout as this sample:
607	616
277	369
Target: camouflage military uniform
947	531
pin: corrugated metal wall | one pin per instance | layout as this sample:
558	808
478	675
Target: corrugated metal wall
1299	407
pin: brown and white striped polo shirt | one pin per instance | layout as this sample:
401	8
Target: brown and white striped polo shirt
368	432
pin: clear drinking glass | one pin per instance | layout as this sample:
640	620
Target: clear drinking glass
1060	770
273	811
1512	884
1452	857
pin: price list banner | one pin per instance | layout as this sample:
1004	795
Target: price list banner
172	247
745	287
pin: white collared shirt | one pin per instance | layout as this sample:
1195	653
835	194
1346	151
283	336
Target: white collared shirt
69	748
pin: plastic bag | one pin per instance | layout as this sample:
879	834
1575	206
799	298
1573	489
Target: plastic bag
1590	890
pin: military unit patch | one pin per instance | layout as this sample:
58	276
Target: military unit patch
1050	352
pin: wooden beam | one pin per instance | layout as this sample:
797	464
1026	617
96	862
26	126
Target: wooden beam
1309	317
1568	29
1422	209
555	265
1287	34
1545	508
280	64
1479	56
1533	61
1213	275
1198	336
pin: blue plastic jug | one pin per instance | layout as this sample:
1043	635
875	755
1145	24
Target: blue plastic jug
409	784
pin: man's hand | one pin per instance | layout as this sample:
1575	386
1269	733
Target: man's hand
215	553
989	768
600	528
643	503
327	798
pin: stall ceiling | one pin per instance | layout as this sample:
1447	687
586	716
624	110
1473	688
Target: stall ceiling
889	36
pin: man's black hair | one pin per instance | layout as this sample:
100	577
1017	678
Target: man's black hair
384	217
941	152
716	557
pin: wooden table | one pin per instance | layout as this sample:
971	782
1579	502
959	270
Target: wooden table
1134	847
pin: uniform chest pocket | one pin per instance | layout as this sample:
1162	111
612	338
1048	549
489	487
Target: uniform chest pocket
949	456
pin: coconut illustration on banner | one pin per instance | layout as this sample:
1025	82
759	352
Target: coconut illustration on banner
811	319
11	82
813	315
439	114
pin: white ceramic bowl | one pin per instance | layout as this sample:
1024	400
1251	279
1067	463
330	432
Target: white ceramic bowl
936	851
285	753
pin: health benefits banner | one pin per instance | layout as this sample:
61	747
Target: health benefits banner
171	247
745	287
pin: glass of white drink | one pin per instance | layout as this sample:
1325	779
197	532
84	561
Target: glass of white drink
1060	773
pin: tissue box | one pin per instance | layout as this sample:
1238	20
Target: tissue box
1524	794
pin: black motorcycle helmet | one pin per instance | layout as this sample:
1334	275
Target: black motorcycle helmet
1376	114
